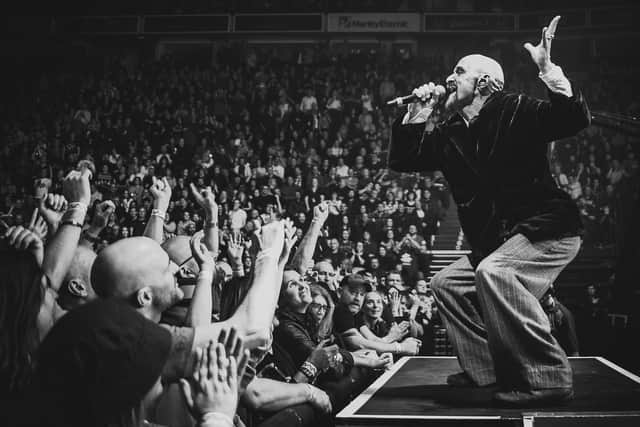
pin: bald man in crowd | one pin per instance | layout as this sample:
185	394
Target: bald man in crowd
492	148
140	272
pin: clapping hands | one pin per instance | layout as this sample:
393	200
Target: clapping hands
212	389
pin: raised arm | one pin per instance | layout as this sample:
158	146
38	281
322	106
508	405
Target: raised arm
201	306
566	112
98	223
161	192
207	201
235	249
254	316
59	252
304	253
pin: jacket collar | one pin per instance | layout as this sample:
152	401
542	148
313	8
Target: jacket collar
458	130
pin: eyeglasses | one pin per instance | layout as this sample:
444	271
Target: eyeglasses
318	307
184	273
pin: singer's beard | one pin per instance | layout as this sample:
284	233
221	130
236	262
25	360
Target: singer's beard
454	104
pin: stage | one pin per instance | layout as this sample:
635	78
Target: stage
414	393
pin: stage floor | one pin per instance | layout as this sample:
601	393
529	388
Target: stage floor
414	392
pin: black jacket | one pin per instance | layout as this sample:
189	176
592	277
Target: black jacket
295	334
497	167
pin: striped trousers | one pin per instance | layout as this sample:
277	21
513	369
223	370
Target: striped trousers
493	317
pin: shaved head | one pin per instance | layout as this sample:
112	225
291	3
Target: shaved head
474	79
130	265
484	65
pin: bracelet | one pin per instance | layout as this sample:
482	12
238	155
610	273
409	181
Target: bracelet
76	214
72	223
211	224
158	213
309	370
78	205
215	419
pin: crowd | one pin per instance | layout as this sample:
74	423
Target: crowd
227	232
216	215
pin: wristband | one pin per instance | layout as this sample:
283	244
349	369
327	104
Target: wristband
211	224
309	370
215	419
72	223
78	205
158	213
74	215
398	348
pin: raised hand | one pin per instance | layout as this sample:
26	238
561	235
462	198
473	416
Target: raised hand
201	254
161	192
23	239
102	214
213	386
398	331
394	302
321	212
290	239
207	201
38	225
88	165
271	237
76	188
235	248
51	208
541	53
234	346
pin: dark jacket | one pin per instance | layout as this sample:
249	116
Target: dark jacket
497	167
295	334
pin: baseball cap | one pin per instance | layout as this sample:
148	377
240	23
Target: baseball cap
355	281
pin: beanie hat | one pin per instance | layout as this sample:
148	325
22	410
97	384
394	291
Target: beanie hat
98	362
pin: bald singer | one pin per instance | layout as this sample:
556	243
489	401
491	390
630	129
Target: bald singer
523	230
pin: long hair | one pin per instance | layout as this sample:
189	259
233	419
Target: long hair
21	296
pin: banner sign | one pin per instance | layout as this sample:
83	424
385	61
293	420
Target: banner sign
373	22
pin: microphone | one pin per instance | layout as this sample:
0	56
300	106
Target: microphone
404	100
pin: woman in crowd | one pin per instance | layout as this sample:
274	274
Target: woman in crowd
321	311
